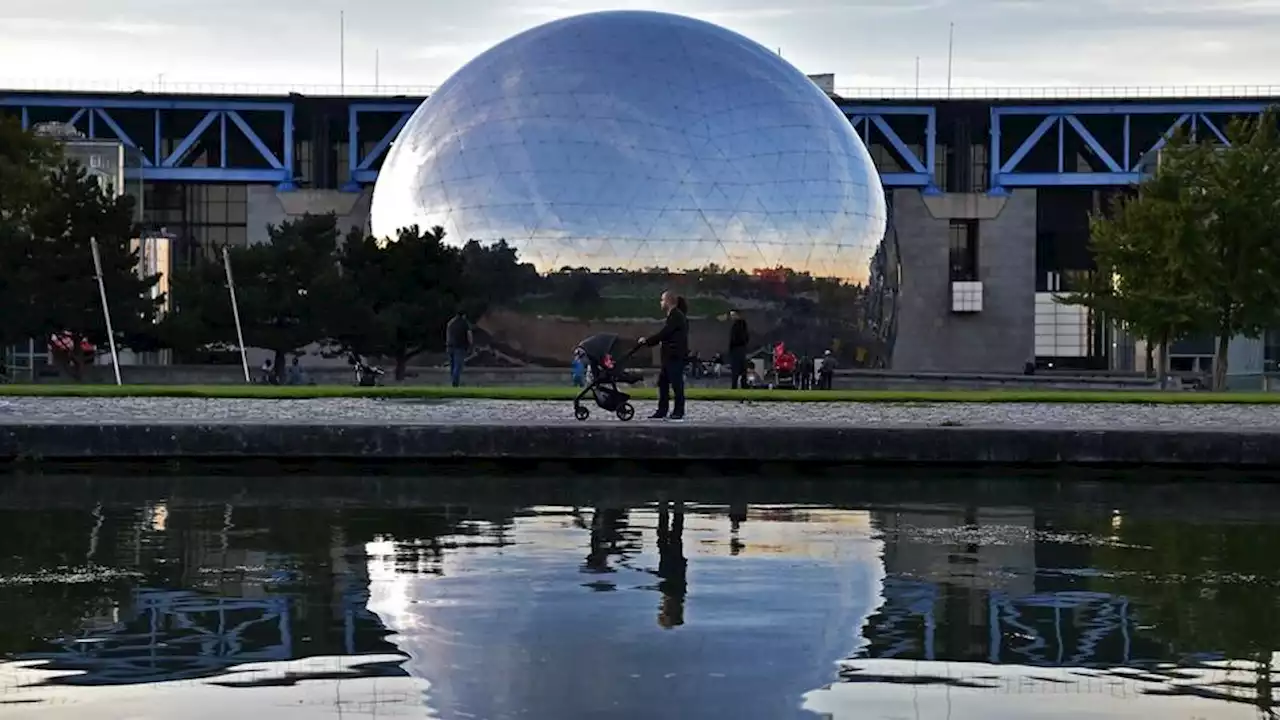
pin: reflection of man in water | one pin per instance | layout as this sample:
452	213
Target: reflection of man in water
737	516
672	565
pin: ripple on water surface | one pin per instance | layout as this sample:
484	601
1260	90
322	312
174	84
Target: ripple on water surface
397	599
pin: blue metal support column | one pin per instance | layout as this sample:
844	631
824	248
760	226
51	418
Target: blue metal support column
100	117
362	166
919	171
1122	164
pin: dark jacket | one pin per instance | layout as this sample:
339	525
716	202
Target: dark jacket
674	337
738	335
457	334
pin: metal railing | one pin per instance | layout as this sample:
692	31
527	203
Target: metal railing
1062	92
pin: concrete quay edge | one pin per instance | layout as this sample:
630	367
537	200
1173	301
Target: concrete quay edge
639	442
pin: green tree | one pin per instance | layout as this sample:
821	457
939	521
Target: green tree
494	275
1198	249
18	286
1234	191
56	276
398	296
1142	278
284	289
25	162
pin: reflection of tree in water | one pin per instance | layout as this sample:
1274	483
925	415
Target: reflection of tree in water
169	592
1162	600
1201	587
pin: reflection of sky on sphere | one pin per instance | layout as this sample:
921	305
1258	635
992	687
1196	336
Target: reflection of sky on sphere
633	140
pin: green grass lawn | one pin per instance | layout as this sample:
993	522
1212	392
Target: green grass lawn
429	392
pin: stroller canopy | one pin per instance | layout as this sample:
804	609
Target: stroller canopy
598	346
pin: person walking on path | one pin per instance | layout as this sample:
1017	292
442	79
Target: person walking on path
674	341
457	342
739	336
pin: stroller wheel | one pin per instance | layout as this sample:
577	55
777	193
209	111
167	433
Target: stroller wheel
581	413
626	412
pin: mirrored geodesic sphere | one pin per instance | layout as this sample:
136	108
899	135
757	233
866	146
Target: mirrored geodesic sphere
620	153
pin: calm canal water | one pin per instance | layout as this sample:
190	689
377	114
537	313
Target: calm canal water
884	598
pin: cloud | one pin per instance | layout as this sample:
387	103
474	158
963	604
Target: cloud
138	29
864	42
442	51
112	27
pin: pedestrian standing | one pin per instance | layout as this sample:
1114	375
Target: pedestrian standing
826	374
673	339
739	336
457	342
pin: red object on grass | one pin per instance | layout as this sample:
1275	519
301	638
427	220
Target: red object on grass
783	360
63	342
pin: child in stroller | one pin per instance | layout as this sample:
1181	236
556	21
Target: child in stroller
604	372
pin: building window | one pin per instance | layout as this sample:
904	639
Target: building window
305	164
942	166
980	162
964	250
1271	351
343	163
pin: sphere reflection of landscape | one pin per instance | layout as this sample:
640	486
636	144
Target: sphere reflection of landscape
620	153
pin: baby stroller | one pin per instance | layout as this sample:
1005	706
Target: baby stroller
604	372
366	375
784	368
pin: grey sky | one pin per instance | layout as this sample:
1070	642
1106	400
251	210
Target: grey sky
869	43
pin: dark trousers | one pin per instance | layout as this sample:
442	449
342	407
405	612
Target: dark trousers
738	368
671	382
457	359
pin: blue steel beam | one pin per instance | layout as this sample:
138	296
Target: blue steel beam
1127	169
920	172
156	165
363	166
253	138
361	170
122	135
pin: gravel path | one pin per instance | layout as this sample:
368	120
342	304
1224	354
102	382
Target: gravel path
1255	417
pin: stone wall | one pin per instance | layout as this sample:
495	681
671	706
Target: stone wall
1000	338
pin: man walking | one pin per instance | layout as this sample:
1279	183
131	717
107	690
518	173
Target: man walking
674	339
457	342
738	339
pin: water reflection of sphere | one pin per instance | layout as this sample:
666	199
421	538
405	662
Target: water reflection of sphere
617	142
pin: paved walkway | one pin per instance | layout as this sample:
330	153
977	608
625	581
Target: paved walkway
1184	417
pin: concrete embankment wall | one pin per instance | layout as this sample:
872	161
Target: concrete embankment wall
598	445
